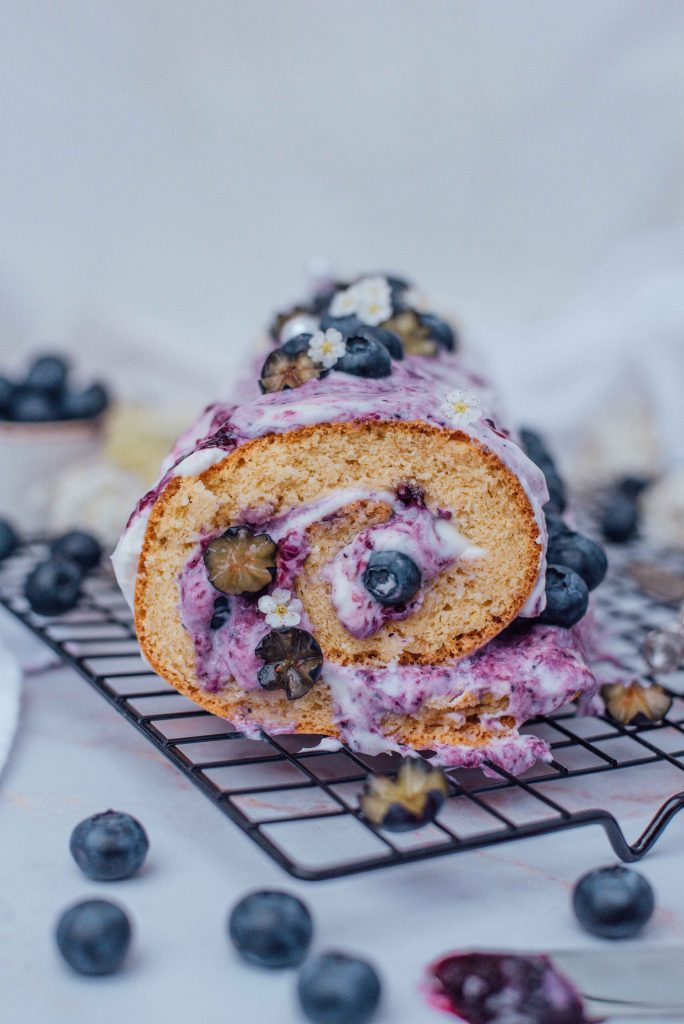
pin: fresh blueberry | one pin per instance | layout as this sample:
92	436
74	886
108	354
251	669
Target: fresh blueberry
29	406
614	902
7	389
440	330
79	547
334	988
365	357
221	613
619	518
536	450
397	283
580	553
389	339
567	597
556	526
94	936
85	405
300	343
48	374
109	846
348	325
53	587
8	539
556	488
391	577
271	929
534	445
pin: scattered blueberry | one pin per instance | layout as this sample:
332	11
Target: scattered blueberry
32	406
221	613
567	597
8	539
391	577
85	405
614	902
94	936
365	357
109	846
636	704
292	661
503	988
408	800
79	547
53	587
389	339
439	330
334	988
585	556
48	374
619	518
271	929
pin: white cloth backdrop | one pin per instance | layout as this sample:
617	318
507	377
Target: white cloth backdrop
168	170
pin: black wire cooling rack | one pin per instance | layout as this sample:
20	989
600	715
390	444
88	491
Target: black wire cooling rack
300	804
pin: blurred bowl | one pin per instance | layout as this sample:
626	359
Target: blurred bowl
32	458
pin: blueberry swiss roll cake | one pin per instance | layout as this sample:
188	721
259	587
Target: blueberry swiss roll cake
357	548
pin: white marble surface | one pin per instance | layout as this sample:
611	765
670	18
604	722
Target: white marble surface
74	756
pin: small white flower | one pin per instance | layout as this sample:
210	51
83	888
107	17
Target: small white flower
344	303
461	408
327	347
370	299
373	300
280	609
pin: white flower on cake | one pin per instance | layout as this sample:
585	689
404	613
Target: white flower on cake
374	300
370	299
326	347
280	609
461	408
344	303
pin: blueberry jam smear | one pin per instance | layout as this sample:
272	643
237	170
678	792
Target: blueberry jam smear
497	988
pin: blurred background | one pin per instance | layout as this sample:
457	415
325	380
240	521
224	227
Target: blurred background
172	171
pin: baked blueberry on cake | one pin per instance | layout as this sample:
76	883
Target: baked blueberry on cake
358	549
